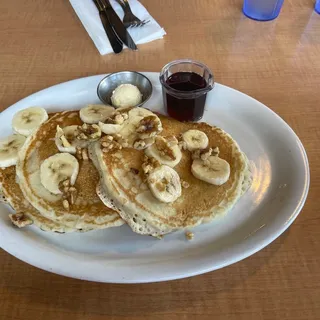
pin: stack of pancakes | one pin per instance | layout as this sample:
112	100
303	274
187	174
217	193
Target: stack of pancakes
113	185
23	190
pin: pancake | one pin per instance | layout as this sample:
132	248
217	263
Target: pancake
87	212
247	178
12	194
124	188
2	196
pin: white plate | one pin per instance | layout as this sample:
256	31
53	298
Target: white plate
279	190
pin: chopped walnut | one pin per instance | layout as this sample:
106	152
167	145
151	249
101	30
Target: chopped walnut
69	193
149	127
79	153
205	153
66	183
88	132
185	184
109	138
20	220
161	185
215	151
118	117
125	116
189	235
113	142
182	145
139	145
84	154
149	164
65	204
73	195
164	148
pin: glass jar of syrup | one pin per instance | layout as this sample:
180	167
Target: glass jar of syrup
185	84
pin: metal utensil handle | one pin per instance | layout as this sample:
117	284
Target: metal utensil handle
115	43
126	3
118	26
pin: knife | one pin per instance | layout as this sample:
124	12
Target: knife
116	44
118	26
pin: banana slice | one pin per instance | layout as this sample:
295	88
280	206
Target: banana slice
9	148
66	141
110	128
166	151
136	114
93	113
26	121
195	139
57	168
164	183
140	117
214	170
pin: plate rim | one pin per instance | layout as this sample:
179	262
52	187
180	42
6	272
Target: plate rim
202	269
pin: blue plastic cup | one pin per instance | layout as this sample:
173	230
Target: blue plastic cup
317	6
262	10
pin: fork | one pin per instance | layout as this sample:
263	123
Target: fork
129	19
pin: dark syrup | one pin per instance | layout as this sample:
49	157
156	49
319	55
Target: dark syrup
181	108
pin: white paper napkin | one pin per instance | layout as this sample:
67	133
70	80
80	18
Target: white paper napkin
89	16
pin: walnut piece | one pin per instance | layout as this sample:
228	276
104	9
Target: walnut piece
189	235
185	184
113	142
149	164
65	204
205	153
139	145
119	116
182	145
66	183
73	195
20	220
79	153
88	132
215	152
149	127
82	153
69	193
119	119
164	146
